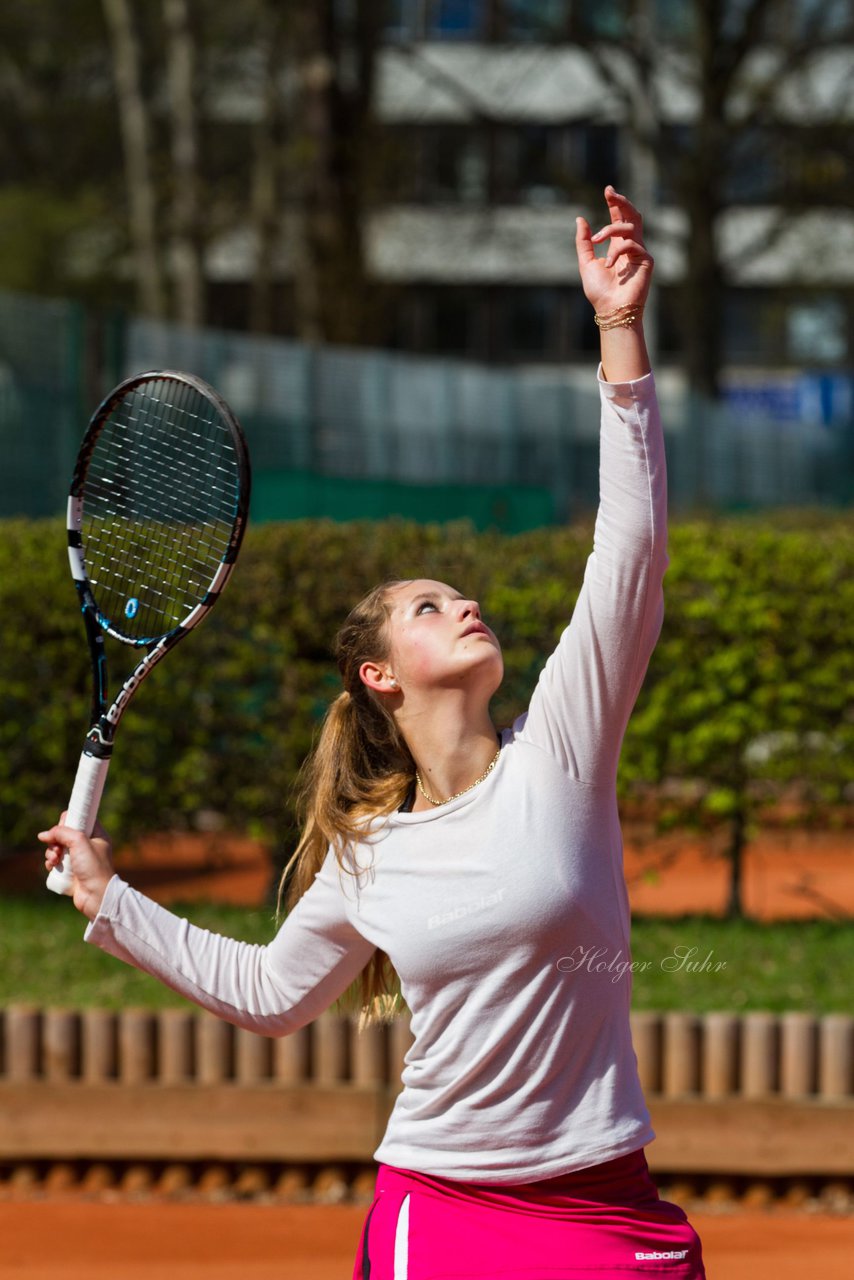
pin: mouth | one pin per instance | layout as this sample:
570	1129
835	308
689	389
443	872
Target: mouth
476	629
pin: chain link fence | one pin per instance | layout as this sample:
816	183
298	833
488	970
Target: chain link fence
347	434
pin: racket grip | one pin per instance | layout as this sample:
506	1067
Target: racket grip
82	813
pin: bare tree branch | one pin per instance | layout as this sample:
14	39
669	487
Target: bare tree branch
135	130
186	206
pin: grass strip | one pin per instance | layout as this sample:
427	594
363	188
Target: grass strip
694	962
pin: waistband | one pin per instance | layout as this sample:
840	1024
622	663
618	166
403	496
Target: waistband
624	1181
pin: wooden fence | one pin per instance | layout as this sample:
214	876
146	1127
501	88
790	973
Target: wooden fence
757	1094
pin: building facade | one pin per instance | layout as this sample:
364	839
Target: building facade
503	119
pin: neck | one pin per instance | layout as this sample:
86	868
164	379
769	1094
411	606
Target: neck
451	752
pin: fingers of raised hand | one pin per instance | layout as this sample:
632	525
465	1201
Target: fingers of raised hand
626	229
621	207
628	252
625	240
584	240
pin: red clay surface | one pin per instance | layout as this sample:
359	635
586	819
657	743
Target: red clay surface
72	1241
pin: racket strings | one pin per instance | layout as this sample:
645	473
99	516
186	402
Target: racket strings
160	499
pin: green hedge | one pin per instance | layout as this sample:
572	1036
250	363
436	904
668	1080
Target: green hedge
750	694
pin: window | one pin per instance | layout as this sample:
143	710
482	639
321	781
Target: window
541	21
533	164
547	165
755	168
434	19
603	19
674	20
812	18
597	154
675	148
402	19
533	323
456	166
453	322
752	327
817	330
453	165
454	19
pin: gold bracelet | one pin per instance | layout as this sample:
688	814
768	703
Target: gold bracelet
621	318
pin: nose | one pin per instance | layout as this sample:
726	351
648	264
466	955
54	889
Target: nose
469	609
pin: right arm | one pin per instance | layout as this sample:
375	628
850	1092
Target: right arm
273	989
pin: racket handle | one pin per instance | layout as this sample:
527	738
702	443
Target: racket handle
82	813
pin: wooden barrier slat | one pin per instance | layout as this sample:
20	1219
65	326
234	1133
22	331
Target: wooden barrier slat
759	1055
98	1045
836	1056
252	1057
681	1055
647	1041
331	1036
23	1042
175	1058
136	1046
214	1049
190	1122
60	1045
775	1137
292	1057
798	1055
720	1055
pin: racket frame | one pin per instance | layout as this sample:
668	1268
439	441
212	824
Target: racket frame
104	719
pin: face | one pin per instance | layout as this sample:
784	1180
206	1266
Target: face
437	638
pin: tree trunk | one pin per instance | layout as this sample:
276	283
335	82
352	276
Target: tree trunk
703	178
703	291
266	183
186	256
135	131
335	65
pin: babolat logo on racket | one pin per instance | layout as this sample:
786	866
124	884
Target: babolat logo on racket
132	607
129	686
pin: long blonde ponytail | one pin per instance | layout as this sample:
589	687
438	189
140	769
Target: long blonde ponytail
359	768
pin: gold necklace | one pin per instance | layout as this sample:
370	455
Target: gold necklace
487	771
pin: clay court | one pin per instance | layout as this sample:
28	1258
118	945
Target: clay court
79	1241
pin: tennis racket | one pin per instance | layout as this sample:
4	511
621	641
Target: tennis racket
156	514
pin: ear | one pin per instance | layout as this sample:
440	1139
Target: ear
377	678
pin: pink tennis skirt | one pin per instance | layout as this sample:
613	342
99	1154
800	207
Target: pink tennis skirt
606	1221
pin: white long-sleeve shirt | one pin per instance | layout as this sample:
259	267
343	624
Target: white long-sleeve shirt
505	911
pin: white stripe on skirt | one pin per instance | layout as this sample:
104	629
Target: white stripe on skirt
401	1242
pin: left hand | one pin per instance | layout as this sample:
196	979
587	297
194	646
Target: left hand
623	277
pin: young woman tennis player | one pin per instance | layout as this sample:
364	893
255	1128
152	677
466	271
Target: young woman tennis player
480	863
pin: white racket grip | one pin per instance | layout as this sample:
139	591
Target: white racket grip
82	813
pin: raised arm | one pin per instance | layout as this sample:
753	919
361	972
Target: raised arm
585	695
